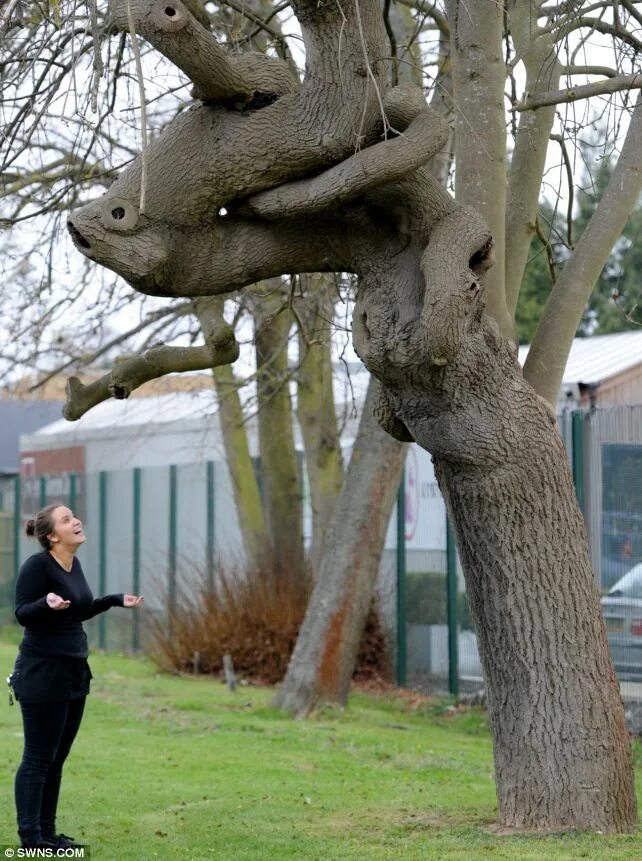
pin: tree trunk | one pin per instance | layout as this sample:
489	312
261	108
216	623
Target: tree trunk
279	469
315	405
247	498
562	753
323	661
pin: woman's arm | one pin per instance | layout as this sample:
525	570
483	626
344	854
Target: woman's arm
31	593
99	605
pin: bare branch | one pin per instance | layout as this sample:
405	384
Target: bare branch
598	88
130	373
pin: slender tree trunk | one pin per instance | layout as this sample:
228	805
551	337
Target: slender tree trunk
323	662
315	405
543	70
546	360
282	494
247	497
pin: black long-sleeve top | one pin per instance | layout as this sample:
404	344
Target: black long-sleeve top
56	632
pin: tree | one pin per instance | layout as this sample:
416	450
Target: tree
264	178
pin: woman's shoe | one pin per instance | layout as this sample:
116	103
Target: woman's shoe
61	841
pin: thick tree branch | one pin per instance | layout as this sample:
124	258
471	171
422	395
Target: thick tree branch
574	94
131	372
218	77
386	162
547	357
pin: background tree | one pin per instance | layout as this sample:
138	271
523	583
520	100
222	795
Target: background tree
330	176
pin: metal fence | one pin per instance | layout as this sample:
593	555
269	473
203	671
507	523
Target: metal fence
158	530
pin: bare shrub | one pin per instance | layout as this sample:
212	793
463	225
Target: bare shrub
254	616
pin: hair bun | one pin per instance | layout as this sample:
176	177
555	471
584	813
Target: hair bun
30	527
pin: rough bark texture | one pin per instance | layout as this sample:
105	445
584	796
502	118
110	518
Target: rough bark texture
325	654
449	379
561	749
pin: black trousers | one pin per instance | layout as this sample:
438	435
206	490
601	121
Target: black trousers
49	732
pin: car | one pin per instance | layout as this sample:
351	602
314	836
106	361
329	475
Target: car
622	610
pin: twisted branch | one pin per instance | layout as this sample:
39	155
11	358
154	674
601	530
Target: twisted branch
131	372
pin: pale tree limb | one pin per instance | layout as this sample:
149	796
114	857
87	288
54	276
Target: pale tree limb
479	77
131	372
537	50
430	10
547	357
617	84
603	71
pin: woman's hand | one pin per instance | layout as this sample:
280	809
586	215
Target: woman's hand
132	600
56	602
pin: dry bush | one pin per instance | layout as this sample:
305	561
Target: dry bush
254	617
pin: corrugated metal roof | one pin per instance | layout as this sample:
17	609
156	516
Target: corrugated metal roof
596	359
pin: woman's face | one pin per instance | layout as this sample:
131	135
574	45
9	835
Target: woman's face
67	529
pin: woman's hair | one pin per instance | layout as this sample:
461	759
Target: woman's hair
43	524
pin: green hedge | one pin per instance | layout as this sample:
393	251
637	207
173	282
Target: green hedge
426	600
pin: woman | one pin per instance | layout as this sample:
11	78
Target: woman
51	676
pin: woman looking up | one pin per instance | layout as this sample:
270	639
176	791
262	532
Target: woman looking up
51	677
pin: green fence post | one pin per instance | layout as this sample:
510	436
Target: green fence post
17	512
401	583
43	490
577	427
102	554
136	556
171	592
211	523
451	603
73	492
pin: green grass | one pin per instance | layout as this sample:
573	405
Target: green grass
180	768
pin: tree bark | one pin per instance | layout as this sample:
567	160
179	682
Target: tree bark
315	406
480	130
562	753
247	498
546	360
279	468
543	71
323	661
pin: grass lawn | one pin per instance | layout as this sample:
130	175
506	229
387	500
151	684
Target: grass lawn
179	768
